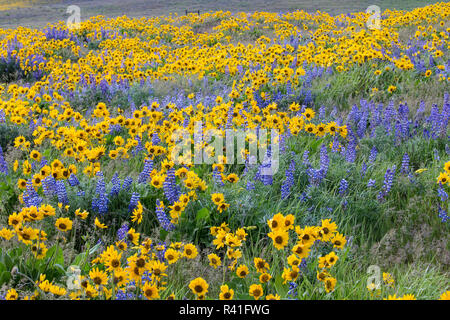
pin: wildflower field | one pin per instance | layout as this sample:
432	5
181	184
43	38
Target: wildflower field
111	187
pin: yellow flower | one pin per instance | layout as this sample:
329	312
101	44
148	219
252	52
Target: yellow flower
388	279
408	297
137	213
279	238
98	224
6	234
445	295
309	114
190	251
83	215
223	206
233	178
133	236
327	230
256	291
217	198
277	222
261	265
172	255
214	260
338	241
35	155
443	178
11	294
242	271
150	291
329	283
157	181
226	293
264	277
99	277
63	224
39	251
199	286
391	89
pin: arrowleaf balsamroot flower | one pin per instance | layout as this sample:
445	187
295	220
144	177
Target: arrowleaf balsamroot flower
63	224
199	286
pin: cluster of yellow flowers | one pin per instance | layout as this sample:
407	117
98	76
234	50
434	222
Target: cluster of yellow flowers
279	225
119	267
306	237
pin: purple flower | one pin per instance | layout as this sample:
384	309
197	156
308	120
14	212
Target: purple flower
324	160
343	186
306	158
363	169
3	164
73	180
289	182
373	155
162	217
133	201
30	196
145	174
170	187
61	192
371	183
115	185
405	164
49	186
127	183
122	232
442	194
350	153
217	177
388	181
443	215
314	176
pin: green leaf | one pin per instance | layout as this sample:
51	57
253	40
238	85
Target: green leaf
202	214
7	261
15	253
59	257
5	276
163	234
47	153
79	258
280	287
59	268
94	249
56	254
315	144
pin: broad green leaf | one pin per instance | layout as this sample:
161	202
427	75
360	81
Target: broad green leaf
202	214
5	276
79	258
94	249
280	287
163	234
7	261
